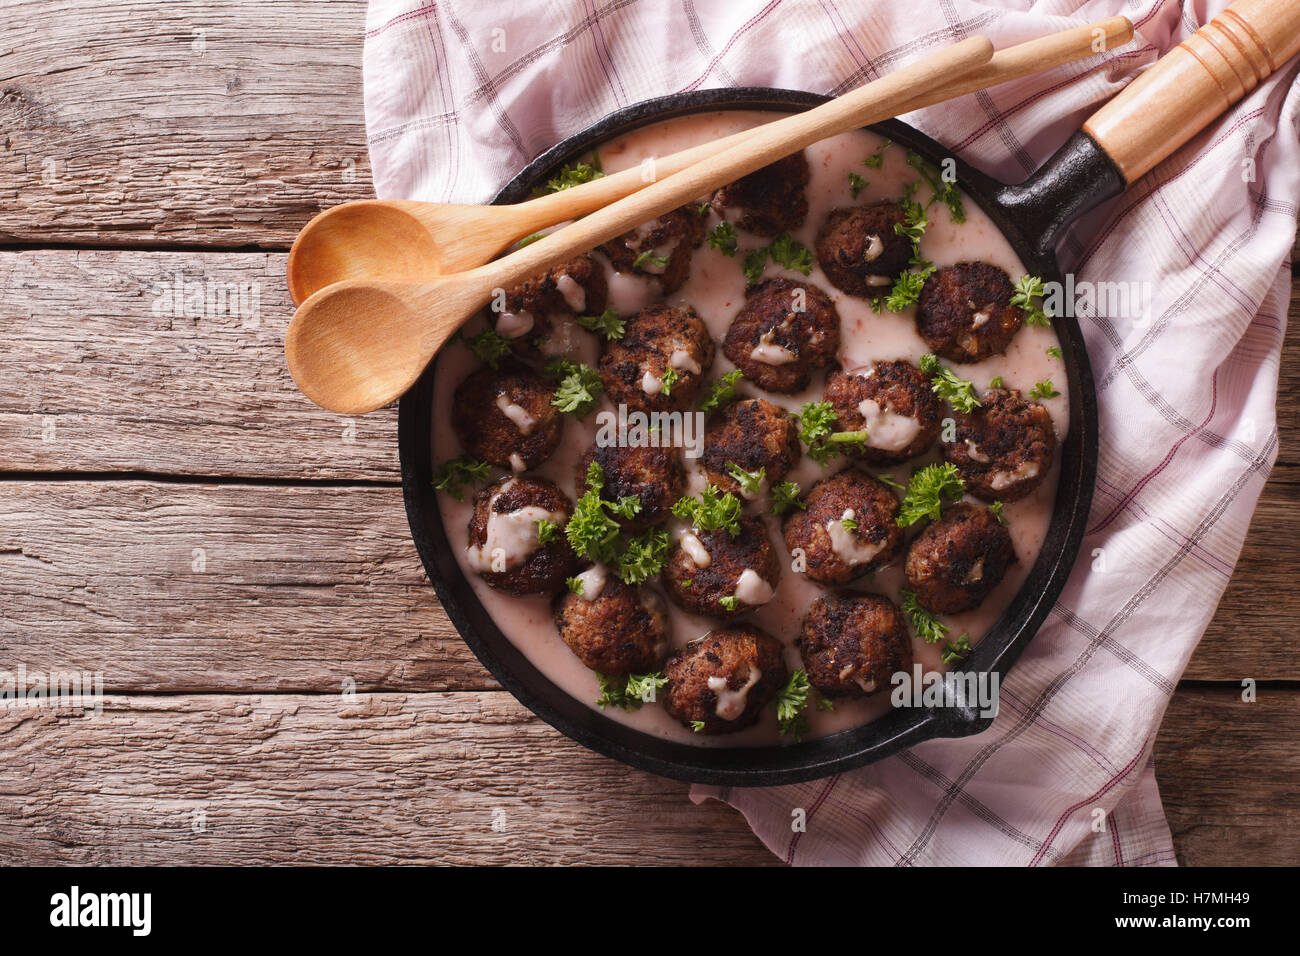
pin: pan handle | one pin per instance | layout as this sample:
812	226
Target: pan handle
1194	83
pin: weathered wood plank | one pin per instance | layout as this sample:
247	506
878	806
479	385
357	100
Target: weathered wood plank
96	348
303	587
423	778
219	122
1253	631
166	587
103	370
429	778
1228	773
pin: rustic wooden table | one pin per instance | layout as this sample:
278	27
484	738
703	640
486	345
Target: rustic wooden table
235	561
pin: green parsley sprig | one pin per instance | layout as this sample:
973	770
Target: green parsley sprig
1029	293
958	392
455	473
712	510
928	627
928	491
722	392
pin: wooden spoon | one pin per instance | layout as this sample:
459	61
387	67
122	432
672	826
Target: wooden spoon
408	240
359	344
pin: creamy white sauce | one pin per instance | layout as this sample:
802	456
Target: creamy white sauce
769	353
847	546
682	361
593	581
511	325
973	450
1005	479
731	703
511	537
696	550
752	589
874	248
517	414
517	463
575	296
886	429
651	385
716	289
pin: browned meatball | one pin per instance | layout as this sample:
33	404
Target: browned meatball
956	561
893	402
504	416
722	682
849	528
860	250
654	476
1003	449
785	331
768	201
852	644
752	434
661	249
656	340
577	287
744	567
965	313
504	531
614	628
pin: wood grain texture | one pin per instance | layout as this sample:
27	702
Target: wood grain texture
303	588
116	376
1228	773
218	123
422	779
166	587
320	779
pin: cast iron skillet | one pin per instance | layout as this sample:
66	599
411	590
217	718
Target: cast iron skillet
1031	216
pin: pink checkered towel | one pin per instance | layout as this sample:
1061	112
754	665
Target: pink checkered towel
461	94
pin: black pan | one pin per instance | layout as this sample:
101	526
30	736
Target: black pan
1031	216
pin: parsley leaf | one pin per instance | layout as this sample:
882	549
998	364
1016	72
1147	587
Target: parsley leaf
996	508
877	159
697	726
749	481
644	687
753	263
789	252
1043	389
455	473
668	380
996	383
644	556
607	324
816	428
907	289
785	496
953	651
791	703
488	346
730	602
649	258
579	388
958	392
1029	292
927	492
710	511
572	175
943	190
546	530
928	627
1053	352
856	184
575	585
723	391
723	238
591	531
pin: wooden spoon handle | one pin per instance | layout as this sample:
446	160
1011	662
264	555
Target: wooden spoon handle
1015	62
868	104
1195	82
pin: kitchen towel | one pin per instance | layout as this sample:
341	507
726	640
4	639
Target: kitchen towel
460	95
